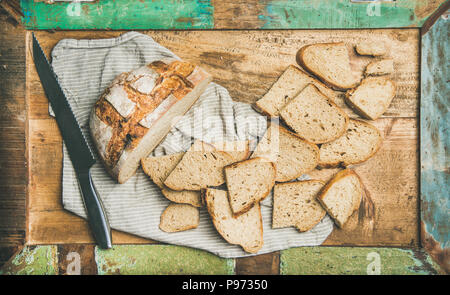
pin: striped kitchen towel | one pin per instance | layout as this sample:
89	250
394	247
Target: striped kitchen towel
84	69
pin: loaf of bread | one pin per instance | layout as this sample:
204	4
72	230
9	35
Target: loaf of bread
139	108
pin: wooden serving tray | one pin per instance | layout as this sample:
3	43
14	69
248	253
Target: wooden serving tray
247	63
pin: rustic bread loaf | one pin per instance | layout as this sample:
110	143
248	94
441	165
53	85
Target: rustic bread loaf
292	155
360	142
380	67
295	204
179	217
372	97
371	48
341	196
249	182
139	108
245	230
330	62
201	166
158	168
314	117
289	84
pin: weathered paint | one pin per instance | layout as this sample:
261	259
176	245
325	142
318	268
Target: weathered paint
160	259
119	14
355	261
199	14
33	260
435	141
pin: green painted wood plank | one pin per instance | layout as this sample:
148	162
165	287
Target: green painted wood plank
33	260
435	141
160	259
119	14
355	261
199	14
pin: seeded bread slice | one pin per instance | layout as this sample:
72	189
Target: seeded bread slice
179	217
201	166
248	183
371	48
341	196
158	168
380	67
314	117
291	155
239	150
360	142
295	204
289	84
245	230
330	62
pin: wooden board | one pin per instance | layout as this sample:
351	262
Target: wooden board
247	63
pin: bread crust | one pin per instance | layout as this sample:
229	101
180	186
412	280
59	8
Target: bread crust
345	164
248	206
300	61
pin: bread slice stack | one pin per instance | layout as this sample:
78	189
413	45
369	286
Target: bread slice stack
245	230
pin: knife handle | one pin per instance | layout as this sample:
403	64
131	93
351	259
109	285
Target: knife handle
97	219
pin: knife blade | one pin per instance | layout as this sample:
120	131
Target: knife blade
79	151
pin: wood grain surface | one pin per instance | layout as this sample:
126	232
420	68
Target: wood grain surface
247	63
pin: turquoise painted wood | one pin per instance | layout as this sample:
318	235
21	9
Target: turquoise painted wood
199	14
435	140
118	14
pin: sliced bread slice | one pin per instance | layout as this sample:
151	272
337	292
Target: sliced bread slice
372	97
341	196
380	67
179	217
248	183
295	204
292	155
245	230
371	48
158	168
314	117
201	166
330	62
360	142
289	84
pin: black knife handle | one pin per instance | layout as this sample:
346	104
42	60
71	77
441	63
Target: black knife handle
97	219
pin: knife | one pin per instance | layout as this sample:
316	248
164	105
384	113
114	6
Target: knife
79	151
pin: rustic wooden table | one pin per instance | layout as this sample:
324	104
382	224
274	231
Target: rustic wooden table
246	62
